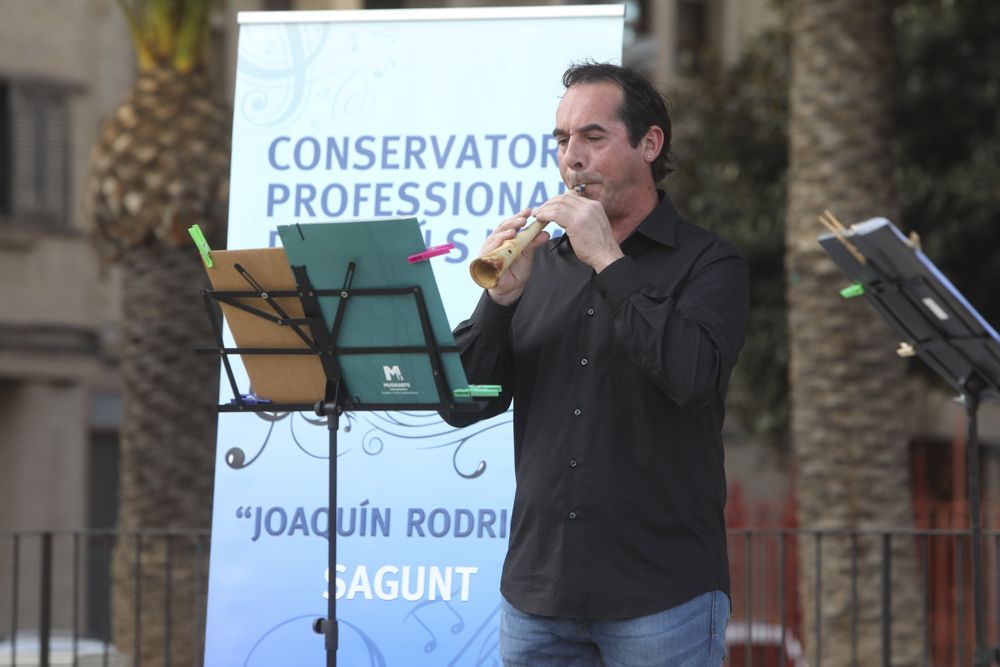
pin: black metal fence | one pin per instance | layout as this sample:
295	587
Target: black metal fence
884	593
56	603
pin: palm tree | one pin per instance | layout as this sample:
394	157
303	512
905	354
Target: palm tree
161	164
848	390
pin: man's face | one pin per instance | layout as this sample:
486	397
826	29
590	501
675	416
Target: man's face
594	148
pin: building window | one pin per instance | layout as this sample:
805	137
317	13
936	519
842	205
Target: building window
34	153
102	505
637	21
692	36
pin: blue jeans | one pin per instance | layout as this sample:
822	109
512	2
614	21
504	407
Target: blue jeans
688	635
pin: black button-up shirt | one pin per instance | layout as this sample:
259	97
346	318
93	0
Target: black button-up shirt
618	382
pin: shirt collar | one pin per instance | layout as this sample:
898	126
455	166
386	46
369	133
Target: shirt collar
660	225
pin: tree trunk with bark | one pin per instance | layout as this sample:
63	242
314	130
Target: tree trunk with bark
161	164
849	393
167	455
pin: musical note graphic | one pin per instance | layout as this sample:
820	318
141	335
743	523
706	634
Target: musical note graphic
278	637
489	631
277	85
456	628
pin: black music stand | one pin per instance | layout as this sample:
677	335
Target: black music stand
939	326
276	327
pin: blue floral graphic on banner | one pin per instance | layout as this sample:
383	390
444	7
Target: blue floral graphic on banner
424	430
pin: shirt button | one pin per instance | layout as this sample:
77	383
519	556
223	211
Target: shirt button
572	515
590	311
583	362
572	463
577	412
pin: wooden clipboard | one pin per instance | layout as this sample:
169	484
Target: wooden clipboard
284	378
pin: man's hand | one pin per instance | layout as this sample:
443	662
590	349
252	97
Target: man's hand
512	281
587	226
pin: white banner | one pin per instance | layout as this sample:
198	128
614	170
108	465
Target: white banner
441	115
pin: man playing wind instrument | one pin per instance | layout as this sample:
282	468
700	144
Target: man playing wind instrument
615	342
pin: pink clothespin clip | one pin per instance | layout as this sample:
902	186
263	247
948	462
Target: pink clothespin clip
433	251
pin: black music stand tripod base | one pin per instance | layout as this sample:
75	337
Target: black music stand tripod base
322	345
939	325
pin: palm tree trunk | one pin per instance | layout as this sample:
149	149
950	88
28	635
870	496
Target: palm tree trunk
167	453
848	390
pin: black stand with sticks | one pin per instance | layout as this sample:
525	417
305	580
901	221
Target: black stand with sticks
940	327
321	342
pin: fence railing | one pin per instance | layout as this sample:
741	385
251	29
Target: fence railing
103	597
882	593
117	598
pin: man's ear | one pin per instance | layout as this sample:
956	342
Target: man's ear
652	142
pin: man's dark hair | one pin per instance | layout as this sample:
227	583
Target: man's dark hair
642	105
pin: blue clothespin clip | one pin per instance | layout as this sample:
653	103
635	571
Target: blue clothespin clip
251	399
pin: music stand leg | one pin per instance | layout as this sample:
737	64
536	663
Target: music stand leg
328	626
983	656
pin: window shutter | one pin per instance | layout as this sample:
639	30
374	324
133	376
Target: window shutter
39	119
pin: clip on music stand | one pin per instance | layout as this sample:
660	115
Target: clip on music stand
940	327
338	320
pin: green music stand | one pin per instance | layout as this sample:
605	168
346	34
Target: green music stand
357	325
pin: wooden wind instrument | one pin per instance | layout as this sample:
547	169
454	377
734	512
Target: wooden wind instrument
487	269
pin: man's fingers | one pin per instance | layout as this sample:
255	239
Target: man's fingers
560	206
539	240
497	238
515	222
505	231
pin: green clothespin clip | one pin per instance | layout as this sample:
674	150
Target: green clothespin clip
478	391
851	291
199	240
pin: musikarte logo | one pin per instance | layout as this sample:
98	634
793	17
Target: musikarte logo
395	382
